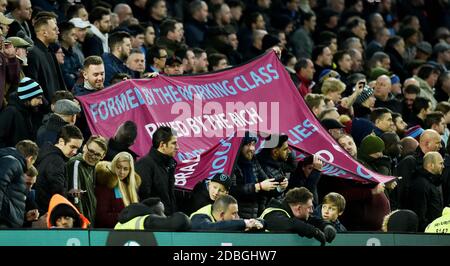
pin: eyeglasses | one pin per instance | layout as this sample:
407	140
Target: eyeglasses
93	153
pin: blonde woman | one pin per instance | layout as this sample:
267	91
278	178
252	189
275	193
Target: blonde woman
117	185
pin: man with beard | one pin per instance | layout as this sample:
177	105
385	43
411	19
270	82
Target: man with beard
96	42
93	75
250	185
120	46
15	120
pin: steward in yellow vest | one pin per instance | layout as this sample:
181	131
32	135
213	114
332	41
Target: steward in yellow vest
293	214
149	215
223	216
441	225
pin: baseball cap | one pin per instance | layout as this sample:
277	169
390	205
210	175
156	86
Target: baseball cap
172	60
79	23
223	179
331	124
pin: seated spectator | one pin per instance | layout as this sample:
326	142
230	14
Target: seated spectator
332	207
207	191
400	221
149	215
62	214
223	216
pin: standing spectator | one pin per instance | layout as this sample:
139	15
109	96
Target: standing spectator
301	40
124	12
307	175
322	58
430	141
196	28
10	68
96	42
138	8
51	164
250	184
15	119
116	188
120	46
65	112
157	12
207	191
304	70
21	13
81	28
174	66
77	11
136	62
72	64
156	59
395	47
13	163
293	215
93	75
425	197
421	107
81	176
157	169
172	35
410	93
315	103
384	95
382	119
122	141
149	37
42	64
427	78
200	61
364	103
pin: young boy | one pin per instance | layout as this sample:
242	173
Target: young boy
332	207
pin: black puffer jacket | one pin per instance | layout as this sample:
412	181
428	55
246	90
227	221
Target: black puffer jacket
49	131
51	164
12	187
157	172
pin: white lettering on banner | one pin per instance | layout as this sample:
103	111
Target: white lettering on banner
185	172
171	94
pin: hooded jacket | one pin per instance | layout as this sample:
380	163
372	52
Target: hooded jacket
56	200
12	187
51	164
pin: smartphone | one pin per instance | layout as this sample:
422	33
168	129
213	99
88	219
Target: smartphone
279	180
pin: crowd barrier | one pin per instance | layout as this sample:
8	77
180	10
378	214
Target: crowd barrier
143	238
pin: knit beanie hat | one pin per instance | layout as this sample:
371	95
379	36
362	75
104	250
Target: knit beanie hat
395	79
249	138
364	95
371	144
403	221
28	89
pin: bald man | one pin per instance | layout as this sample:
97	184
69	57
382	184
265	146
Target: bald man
409	146
123	12
383	95
430	141
425	197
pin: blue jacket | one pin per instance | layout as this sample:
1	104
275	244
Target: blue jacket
113	66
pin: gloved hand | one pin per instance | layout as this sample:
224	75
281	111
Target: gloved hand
320	236
330	233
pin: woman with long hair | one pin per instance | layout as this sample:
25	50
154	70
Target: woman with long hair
116	187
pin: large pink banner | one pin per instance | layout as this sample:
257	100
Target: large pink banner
210	112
